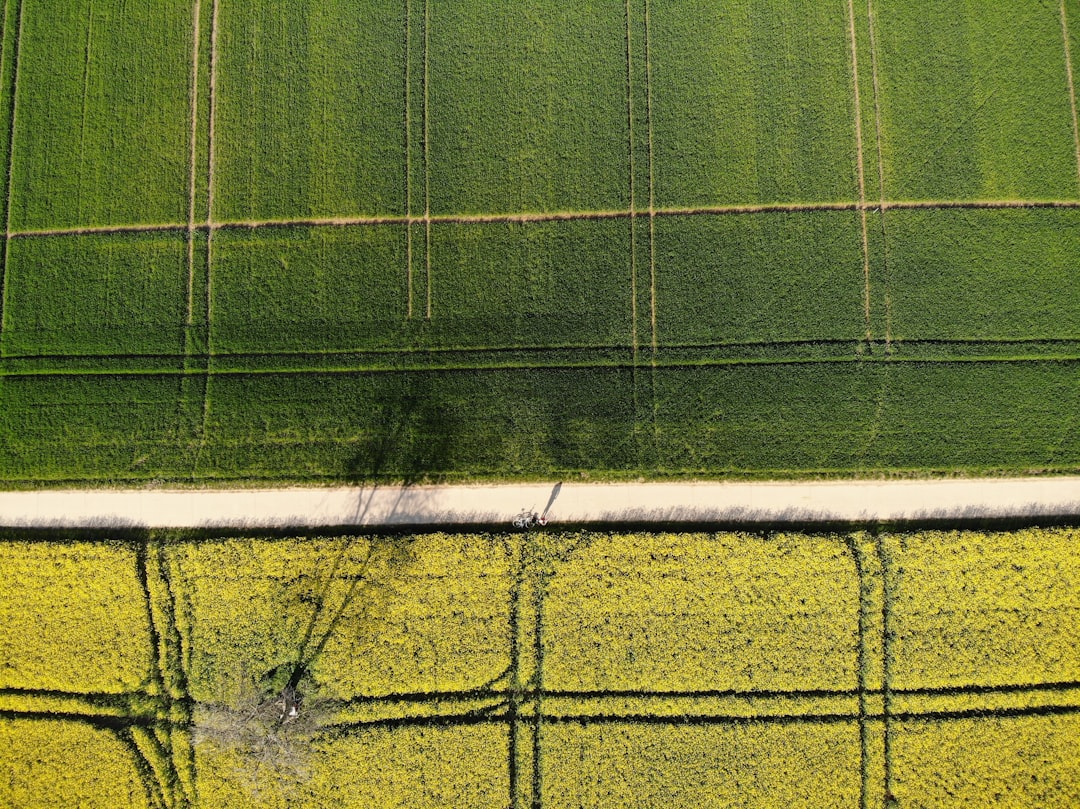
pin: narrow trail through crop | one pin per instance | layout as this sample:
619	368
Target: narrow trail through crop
860	169
408	169
556	216
192	162
10	181
427	158
652	185
1072	87
633	198
881	174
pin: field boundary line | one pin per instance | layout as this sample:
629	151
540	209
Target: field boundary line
533	349
371	369
408	167
1072	87
194	94
427	159
860	168
556	216
881	173
375	368
10	160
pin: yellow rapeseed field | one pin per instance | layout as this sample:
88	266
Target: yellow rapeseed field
74	618
66	764
555	669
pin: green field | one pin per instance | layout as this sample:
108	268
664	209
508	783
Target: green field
542	669
614	239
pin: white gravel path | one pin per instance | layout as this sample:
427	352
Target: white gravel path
819	501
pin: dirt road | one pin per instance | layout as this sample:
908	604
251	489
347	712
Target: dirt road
577	503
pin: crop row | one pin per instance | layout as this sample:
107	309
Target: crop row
761	278
747	419
637	614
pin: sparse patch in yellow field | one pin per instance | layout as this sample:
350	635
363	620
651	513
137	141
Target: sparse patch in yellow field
413	767
706	766
1019	761
984	609
375	617
674	612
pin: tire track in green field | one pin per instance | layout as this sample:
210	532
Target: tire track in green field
633	197
860	170
881	175
654	343
192	162
408	168
427	157
85	93
652	183
1072	88
210	226
13	95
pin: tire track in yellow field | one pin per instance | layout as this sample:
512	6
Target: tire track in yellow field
861	671
889	588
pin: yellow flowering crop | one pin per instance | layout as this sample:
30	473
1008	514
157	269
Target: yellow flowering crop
74	618
984	608
408	767
752	765
1018	761
374	617
702	612
578	669
51	764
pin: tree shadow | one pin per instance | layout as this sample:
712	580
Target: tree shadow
412	438
409	439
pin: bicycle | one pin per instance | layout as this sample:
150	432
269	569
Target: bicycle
529	519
